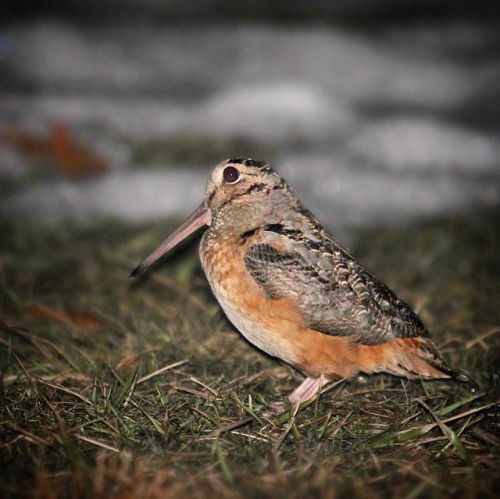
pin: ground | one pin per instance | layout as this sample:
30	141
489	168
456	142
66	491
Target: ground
112	388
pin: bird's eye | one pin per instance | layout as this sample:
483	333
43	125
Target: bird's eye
231	175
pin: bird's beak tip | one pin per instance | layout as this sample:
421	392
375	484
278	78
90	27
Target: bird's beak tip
138	271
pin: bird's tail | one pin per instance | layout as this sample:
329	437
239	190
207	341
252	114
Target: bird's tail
409	357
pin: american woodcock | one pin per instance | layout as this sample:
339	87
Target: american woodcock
293	291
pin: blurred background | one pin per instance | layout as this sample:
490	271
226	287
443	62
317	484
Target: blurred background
383	115
376	112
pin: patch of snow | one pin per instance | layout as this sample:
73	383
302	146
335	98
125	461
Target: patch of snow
273	112
168	60
426	144
130	196
343	195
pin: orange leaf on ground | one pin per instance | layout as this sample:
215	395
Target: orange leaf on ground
70	157
72	319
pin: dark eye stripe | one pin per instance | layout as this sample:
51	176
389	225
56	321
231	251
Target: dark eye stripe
230	174
253	187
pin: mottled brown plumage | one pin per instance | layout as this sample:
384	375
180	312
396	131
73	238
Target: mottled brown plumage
292	290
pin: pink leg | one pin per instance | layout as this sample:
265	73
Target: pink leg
307	390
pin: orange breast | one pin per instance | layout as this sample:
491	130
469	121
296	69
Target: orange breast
271	325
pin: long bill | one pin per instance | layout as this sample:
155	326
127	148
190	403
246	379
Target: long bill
200	217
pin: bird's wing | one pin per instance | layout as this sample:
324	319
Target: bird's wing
335	294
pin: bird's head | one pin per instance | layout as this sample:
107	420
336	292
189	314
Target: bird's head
241	195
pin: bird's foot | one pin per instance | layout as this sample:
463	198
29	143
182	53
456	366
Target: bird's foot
307	390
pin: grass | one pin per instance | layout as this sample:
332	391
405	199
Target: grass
118	389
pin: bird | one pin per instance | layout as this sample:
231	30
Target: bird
294	291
